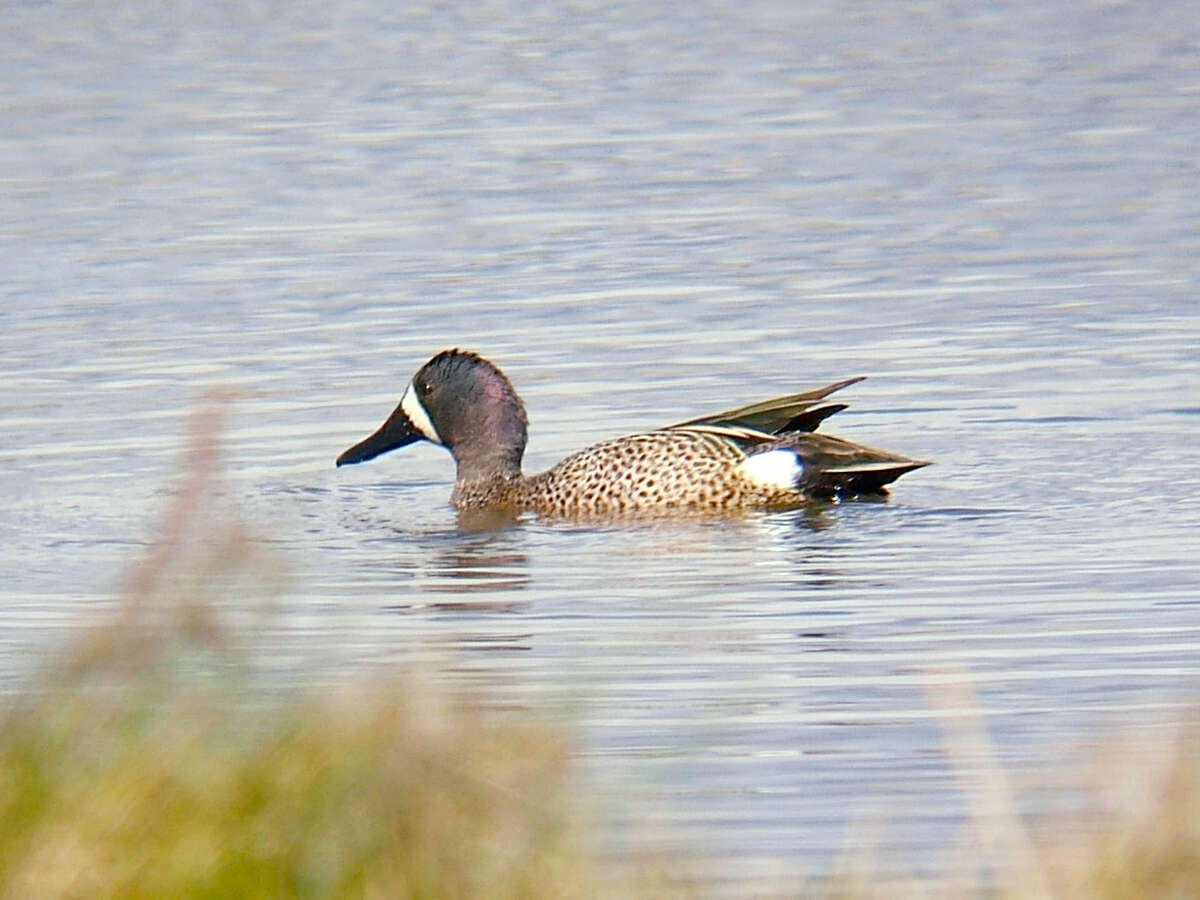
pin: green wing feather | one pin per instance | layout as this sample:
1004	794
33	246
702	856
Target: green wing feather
772	416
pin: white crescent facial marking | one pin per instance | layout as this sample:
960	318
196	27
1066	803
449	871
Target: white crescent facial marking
418	415
780	468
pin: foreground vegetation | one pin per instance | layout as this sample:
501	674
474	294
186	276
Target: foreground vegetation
150	763
141	791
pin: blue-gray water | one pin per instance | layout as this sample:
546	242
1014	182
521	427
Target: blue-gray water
643	213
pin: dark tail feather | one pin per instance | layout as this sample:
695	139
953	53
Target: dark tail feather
857	480
834	467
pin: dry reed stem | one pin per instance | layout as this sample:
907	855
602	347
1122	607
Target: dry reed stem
985	786
190	531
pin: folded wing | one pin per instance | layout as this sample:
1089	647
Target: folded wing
833	467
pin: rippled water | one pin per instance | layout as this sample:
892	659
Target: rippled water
642	215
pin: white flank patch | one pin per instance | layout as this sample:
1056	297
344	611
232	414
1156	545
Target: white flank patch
774	468
415	410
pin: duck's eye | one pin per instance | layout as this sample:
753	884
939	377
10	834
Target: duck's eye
424	387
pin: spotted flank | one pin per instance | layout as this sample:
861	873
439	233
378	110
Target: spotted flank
763	456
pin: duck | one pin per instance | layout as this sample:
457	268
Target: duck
765	456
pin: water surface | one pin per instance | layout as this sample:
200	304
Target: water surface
642	215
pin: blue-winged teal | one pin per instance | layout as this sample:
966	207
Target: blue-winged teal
762	456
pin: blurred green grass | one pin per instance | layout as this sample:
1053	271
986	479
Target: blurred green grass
153	790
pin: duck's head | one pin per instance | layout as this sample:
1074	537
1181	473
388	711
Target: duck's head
463	402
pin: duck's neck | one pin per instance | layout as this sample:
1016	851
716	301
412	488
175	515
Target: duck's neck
491	455
480	487
487	464
489	441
